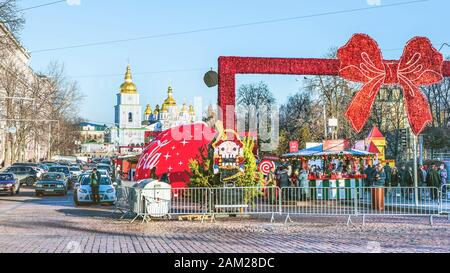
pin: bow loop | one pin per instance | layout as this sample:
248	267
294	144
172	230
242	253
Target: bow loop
361	61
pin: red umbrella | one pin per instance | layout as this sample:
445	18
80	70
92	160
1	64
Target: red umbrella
170	153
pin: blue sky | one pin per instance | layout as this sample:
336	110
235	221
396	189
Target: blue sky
99	20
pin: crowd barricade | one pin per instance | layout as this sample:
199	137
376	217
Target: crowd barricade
245	201
289	201
445	200
123	203
408	201
320	201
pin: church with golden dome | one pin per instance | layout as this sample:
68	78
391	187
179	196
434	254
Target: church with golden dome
132	125
169	114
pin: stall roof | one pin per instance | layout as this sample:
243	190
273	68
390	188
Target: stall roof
318	151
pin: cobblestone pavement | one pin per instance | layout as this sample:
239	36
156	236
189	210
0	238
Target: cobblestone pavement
52	224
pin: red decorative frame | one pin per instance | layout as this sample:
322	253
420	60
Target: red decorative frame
230	66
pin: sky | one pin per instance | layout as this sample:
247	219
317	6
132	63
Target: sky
182	60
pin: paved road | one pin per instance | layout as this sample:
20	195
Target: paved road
52	224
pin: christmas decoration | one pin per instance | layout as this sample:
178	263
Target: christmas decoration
228	155
230	66
361	61
172	150
266	166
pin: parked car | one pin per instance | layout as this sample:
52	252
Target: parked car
39	168
107	191
52	183
75	170
49	163
106	167
9	184
25	174
66	171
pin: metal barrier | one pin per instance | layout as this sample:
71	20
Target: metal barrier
245	201
408	201
319	201
291	201
123	204
362	201
445	200
166	202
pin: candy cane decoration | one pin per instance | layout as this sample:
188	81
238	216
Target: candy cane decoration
266	166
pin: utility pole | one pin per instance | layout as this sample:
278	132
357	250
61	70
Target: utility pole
416	178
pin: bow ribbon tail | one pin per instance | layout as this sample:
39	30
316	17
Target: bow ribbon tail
361	106
417	108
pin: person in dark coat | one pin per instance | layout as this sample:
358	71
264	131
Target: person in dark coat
283	177
95	185
405	177
433	180
388	172
370	173
395	177
380	177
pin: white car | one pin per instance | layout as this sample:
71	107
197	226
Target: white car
75	171
83	191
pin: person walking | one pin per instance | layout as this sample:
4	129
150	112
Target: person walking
95	185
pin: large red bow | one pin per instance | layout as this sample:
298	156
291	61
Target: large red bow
361	61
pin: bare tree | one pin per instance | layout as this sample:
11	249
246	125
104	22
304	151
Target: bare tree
11	17
255	102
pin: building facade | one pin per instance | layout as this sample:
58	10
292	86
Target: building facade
20	139
128	114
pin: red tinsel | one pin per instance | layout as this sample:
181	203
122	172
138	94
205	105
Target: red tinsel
230	66
420	64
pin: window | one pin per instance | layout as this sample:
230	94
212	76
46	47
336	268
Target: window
130	117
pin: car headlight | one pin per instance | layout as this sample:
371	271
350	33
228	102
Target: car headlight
110	191
60	186
39	186
9	185
83	191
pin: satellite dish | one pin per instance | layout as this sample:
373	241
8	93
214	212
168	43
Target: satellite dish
211	78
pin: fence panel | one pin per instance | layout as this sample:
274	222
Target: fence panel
189	201
322	201
245	200
124	202
408	201
445	199
319	201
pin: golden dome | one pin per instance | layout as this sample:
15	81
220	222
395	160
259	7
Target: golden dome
128	87
170	101
156	112
148	110
164	109
184	109
191	110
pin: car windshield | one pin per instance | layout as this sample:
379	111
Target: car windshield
6	177
53	176
20	170
58	169
105	181
75	169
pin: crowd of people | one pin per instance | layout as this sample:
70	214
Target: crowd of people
385	176
375	176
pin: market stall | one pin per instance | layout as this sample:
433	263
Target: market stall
340	174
